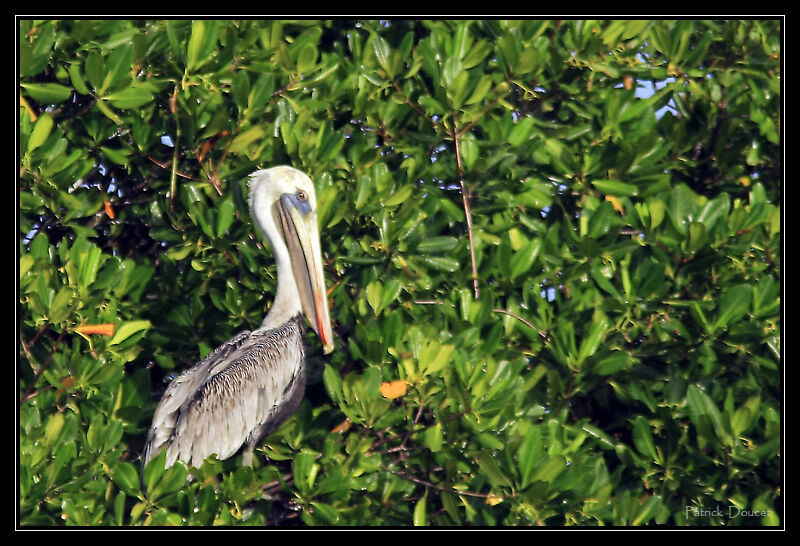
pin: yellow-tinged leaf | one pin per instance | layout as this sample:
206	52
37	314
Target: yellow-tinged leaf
616	204
99	329
27	107
394	389
493	500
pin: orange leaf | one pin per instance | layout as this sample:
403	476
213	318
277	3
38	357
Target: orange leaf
100	329
344	426
628	82
109	209
394	389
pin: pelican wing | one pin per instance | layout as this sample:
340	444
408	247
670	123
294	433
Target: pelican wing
242	390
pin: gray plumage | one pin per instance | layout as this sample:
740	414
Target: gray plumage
239	393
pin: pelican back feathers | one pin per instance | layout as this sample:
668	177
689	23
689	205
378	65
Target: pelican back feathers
240	392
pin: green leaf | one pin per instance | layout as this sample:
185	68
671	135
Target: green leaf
521	132
480	90
528	60
261	91
59	310
469	151
433	438
734	303
594	337
41	130
681	207
452	69
94	68
601	220
549	470
329	514
47	93
126	477
523	259
118	66
421	511
616	188
240	89
714	210
130	97
333	384
76	77
120	157
529	453
304	469
88	259
698	236
52	431
657	212
381	295
442	263
399	196
374	294
225	215
435	245
766	296
643	438
244	139
647	510
307	58
477	53
701	406
201	43
127	329
493	472
382	51
434	357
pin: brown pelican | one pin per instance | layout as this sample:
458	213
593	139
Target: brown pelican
248	386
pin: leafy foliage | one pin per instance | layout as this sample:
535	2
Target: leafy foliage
556	295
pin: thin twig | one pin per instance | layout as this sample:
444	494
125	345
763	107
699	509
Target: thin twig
29	393
523	320
166	166
288	479
411	428
433	485
288	87
415	107
469	125
467	211
173	180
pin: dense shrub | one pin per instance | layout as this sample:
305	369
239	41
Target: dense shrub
553	250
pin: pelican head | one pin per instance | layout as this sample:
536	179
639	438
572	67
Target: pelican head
283	204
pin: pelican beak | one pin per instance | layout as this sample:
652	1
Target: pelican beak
298	221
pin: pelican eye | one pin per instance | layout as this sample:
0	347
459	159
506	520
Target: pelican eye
301	195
